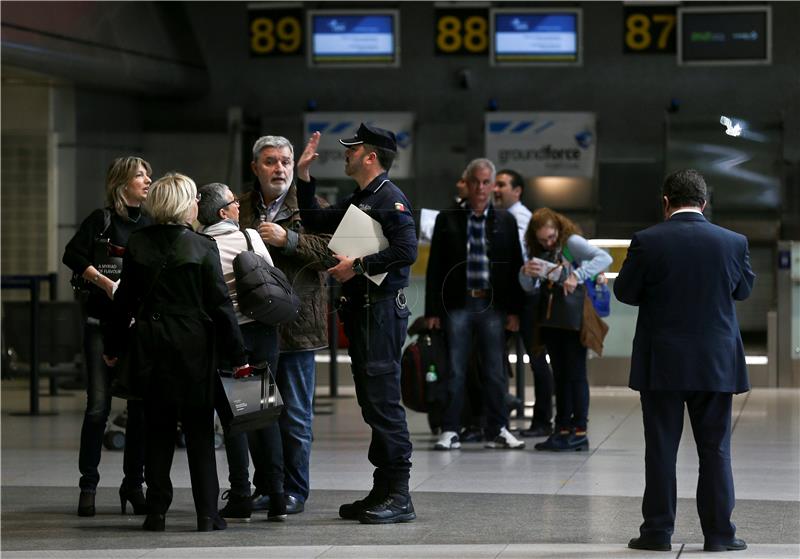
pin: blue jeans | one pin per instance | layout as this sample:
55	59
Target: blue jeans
488	324
296	380
264	444
568	359
98	406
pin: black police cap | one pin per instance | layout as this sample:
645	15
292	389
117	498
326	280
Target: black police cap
373	136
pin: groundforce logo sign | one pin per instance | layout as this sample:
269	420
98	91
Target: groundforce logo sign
542	144
332	126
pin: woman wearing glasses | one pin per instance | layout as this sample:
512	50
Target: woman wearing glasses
172	285
218	213
95	256
561	259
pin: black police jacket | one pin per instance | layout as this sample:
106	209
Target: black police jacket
386	204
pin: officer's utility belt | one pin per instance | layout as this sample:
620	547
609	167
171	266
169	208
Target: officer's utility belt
367	299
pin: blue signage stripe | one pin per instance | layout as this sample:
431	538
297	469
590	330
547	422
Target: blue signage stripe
544	126
498	126
522	126
341	127
317	126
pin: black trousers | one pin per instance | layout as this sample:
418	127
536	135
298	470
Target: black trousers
710	416
161	421
376	333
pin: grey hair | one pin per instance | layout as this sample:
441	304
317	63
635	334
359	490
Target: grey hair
469	172
212	198
271	142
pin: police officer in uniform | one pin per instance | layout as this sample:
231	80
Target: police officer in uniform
375	316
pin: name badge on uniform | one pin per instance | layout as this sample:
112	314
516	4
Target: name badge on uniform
364	207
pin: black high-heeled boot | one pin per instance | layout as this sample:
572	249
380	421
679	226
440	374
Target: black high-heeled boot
86	503
206	523
154	523
136	497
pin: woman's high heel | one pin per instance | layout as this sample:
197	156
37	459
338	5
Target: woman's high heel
154	523
136	498
86	503
206	523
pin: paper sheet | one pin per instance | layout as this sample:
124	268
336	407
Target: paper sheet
550	271
427	221
359	235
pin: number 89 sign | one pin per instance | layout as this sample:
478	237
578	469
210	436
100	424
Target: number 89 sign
275	32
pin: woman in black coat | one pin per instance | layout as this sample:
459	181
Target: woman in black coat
172	286
94	255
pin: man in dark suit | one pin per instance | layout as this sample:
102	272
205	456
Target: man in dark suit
684	275
472	287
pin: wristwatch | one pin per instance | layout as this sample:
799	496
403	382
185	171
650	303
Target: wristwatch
358	267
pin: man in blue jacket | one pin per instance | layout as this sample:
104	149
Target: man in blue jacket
684	275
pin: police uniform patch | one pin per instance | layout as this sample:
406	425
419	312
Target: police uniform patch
399	207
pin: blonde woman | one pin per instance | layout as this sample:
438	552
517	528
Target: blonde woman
172	285
94	256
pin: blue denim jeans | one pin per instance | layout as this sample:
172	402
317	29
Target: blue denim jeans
98	407
296	381
264	444
488	327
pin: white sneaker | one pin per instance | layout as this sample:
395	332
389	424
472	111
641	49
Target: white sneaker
448	440
505	440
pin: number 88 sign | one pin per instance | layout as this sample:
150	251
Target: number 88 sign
275	32
461	31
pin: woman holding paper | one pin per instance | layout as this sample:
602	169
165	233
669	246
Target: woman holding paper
560	258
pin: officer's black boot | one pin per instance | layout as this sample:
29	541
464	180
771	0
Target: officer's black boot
396	507
380	488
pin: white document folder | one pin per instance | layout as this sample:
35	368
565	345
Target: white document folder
359	235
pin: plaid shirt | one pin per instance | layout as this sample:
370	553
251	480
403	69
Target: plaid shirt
477	257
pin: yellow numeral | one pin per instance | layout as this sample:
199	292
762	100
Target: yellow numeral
669	23
638	36
475	36
449	37
262	37
289	34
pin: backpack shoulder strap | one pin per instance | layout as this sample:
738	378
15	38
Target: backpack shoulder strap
249	242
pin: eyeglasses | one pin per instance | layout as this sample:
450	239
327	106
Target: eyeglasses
226	204
198	197
551	238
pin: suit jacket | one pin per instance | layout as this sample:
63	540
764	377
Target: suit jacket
181	318
446	277
684	275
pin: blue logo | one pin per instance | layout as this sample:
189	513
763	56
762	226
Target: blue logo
519	126
403	139
584	139
330	127
519	25
336	26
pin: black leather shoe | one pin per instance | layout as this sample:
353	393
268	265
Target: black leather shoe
86	503
154	523
259	503
557	442
391	510
641	543
237	508
537	431
294	505
734	545
206	523
136	497
277	507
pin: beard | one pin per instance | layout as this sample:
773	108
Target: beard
276	189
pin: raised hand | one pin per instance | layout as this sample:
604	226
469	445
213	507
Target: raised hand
307	157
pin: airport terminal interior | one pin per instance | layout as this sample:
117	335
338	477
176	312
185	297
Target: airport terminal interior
593	103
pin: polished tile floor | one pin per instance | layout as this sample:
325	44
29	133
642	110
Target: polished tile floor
471	503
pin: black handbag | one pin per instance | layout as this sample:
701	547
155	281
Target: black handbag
561	311
262	290
248	403
105	257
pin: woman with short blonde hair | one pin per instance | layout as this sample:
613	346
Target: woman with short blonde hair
172	285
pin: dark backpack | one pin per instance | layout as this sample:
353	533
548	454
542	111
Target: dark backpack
264	293
422	391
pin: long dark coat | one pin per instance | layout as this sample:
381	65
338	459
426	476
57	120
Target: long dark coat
179	320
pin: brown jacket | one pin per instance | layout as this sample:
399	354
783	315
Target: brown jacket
303	262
